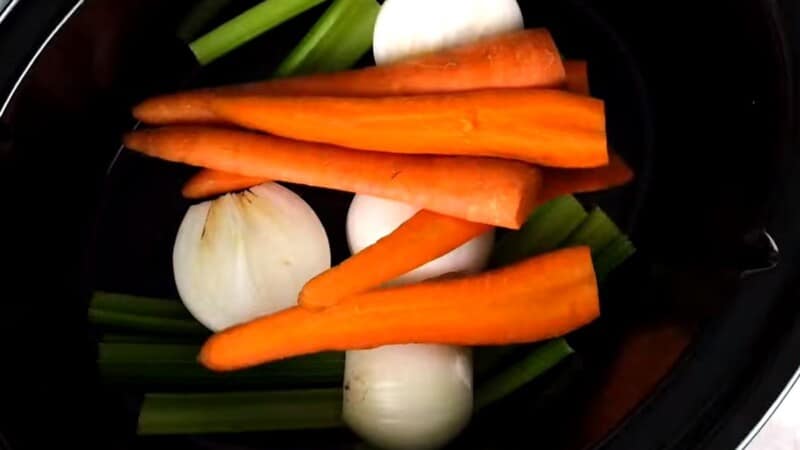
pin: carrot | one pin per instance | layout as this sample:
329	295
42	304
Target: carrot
427	236
422	238
546	127
558	182
519	59
535	299
207	183
555	182
484	190
577	76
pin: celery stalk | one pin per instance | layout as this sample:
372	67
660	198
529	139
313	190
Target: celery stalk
162	364
152	324
339	38
132	304
246	26
596	231
612	256
547	227
234	412
118	338
537	362
486	360
199	17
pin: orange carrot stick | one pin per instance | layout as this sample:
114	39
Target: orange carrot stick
427	236
558	182
422	238
545	127
535	299
555	182
207	183
519	59
484	190
577	76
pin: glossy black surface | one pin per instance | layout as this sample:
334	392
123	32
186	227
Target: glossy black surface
699	100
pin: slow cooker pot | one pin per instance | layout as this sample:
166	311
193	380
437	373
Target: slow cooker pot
700	330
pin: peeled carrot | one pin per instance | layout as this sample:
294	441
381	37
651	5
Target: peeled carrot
207	183
546	127
555	182
484	190
427	236
577	76
210	182
519	59
558	182
535	299
422	238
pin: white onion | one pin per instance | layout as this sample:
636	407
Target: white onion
247	254
414	396
410	27
370	218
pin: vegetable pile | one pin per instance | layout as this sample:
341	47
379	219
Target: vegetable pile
468	123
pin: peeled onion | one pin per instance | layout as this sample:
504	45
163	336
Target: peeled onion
410	27
370	218
413	396
417	396
248	254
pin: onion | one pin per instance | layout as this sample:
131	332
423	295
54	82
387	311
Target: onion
410	27
247	254
414	396
371	218
417	396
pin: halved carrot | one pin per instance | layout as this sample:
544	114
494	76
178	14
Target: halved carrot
518	59
545	127
210	182
427	236
555	182
577	76
558	182
484	190
207	183
535	299
422	238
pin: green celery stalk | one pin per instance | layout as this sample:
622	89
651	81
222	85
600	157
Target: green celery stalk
199	17
339	38
612	256
487	359
537	362
152	324
234	412
596	231
132	304
559	223
146	353
160	364
547	227
149	339
246	26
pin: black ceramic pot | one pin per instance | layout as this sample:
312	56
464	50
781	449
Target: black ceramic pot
700	330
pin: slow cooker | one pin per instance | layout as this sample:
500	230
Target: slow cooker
704	328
